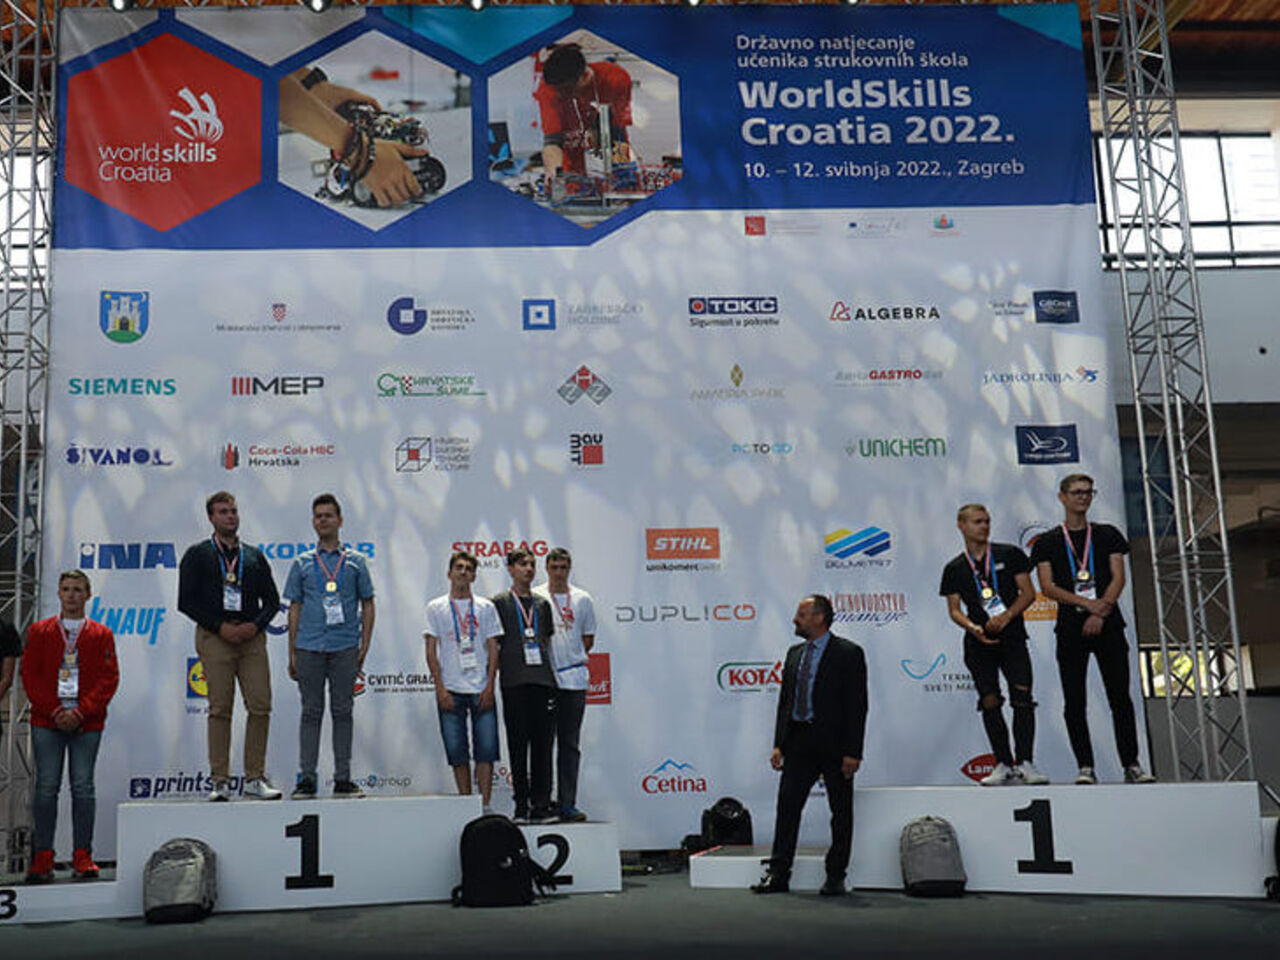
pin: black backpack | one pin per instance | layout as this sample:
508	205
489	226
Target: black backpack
727	823
497	870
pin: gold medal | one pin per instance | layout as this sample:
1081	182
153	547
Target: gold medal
987	593
1083	576
231	577
331	586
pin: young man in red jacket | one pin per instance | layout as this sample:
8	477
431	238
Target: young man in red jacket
70	674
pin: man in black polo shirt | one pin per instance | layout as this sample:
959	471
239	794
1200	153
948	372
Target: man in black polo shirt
1080	565
226	587
993	580
528	688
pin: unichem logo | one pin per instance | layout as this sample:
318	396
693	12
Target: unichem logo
843	544
897	447
538	314
671	777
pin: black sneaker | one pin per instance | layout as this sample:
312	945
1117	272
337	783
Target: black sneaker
544	815
346	788
305	790
521	815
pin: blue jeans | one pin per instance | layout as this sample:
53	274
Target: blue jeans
484	730
339	669
49	747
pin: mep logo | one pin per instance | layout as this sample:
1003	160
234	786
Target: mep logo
404	317
584	382
297	385
848	550
922	669
1056	306
197	687
538	314
127	556
124	315
1046	445
586	449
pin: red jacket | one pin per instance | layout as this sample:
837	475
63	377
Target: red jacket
99	672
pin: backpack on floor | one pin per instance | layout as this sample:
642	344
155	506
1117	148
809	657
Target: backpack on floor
727	823
497	870
930	854
180	883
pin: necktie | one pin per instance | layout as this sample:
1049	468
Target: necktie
804	709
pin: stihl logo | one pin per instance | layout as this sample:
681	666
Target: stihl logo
298	386
682	543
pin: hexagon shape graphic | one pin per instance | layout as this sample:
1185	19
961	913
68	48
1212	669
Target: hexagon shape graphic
164	132
417	110
585	128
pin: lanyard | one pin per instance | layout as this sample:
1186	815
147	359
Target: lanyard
235	572
986	593
69	641
1077	574
471	621
331	577
525	624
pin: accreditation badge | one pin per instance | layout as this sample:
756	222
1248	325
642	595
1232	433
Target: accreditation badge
333	614
232	598
532	653
994	605
69	683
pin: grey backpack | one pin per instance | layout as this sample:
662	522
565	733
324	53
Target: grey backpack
931	864
181	882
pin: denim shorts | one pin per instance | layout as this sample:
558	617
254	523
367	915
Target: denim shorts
484	730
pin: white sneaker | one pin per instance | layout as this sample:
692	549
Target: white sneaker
1135	774
1000	775
261	789
1086	776
221	792
1030	775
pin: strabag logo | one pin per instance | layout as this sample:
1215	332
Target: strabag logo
163	132
583	382
734	311
1056	306
687	613
492	553
672	777
842	312
682	548
750	677
86	456
842	546
1043	445
874	609
123	316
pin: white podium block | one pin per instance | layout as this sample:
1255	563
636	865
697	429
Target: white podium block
1107	839
287	854
63	900
583	857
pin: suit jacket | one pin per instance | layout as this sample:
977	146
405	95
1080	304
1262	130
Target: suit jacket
839	698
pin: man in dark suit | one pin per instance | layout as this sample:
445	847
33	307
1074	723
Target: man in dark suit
822	714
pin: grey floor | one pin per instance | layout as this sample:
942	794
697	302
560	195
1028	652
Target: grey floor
659	915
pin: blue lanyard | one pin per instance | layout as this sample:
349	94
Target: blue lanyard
991	573
471	622
222	561
1071	551
520	611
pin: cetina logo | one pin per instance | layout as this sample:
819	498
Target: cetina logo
671	776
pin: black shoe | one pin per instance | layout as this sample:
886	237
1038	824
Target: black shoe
772	883
543	815
834	887
347	788
521	815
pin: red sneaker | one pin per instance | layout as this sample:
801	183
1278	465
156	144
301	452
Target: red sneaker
41	869
82	865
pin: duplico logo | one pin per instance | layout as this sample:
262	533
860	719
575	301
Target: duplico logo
922	669
584	382
538	314
671	777
124	315
842	544
1043	445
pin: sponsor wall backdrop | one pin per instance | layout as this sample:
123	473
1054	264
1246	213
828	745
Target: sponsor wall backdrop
843	280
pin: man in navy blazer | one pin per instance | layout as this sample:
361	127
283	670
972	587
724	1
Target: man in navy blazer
822	715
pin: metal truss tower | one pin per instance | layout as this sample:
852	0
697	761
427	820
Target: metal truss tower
1194	595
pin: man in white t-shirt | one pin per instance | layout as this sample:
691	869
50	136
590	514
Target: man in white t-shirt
574	619
462	654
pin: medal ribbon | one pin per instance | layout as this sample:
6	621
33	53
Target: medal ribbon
991	574
471	621
1072	560
334	575
69	641
238	569
524	621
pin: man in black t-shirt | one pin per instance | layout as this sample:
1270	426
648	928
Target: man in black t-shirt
1080	565
993	582
10	650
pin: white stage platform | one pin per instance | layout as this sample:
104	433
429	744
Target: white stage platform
287	855
1198	839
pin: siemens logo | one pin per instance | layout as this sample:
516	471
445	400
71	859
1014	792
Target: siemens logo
122	387
127	556
722	306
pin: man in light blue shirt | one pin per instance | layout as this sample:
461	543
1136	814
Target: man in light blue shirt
331	614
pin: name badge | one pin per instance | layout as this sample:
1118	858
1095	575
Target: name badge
468	659
69	683
532	653
1087	590
994	605
231	598
333	615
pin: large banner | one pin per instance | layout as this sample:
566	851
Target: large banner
742	310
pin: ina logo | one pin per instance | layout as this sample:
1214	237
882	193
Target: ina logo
123	315
200	124
196	686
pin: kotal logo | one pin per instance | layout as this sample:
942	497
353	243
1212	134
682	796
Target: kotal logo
146	135
979	766
671	777
754	677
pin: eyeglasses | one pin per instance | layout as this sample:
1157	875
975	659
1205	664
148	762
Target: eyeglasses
1081	493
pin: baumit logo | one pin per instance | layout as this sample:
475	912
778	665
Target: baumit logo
163	132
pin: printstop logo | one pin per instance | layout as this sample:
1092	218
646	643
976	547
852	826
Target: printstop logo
164	132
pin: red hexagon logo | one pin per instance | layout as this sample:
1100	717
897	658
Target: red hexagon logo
164	132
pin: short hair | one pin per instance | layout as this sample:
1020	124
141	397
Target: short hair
462	555
518	554
76	575
564	65
823	605
222	496
969	508
326	498
559	553
1071	478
